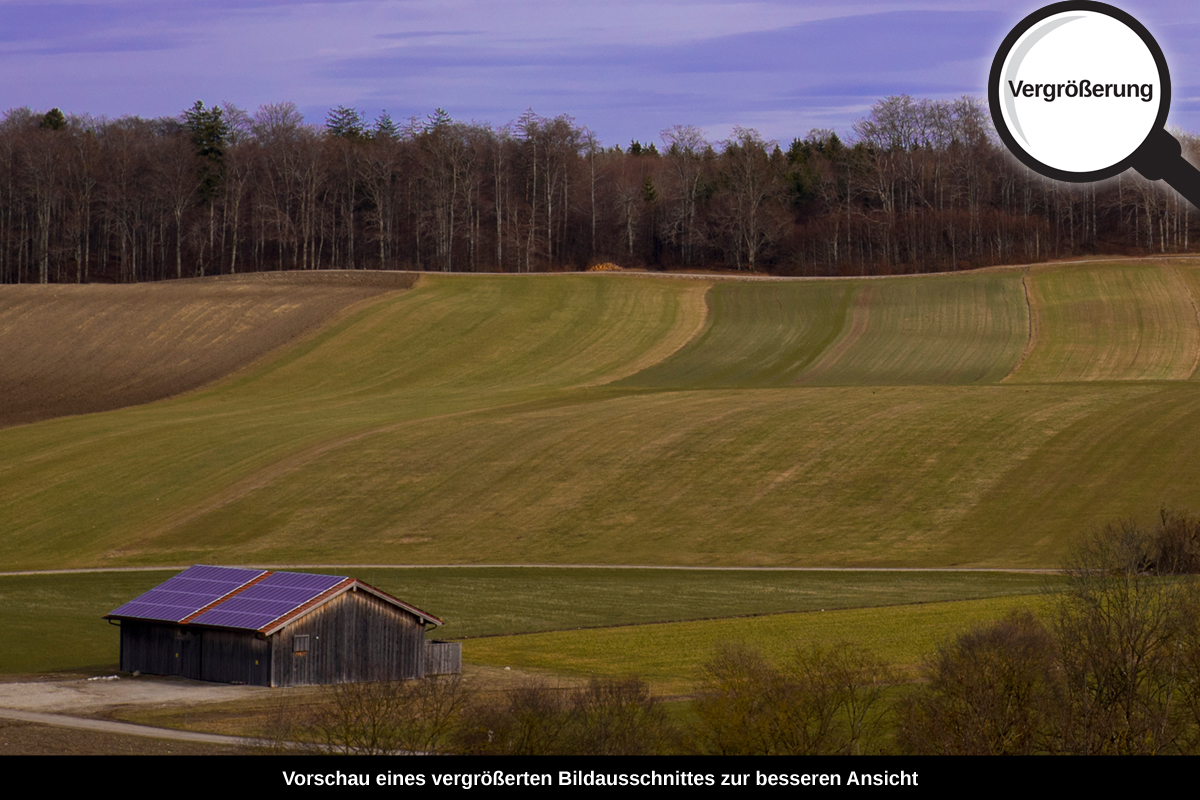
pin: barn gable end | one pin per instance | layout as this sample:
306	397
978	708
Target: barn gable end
354	637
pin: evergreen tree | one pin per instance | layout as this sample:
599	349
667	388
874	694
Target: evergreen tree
385	128
210	134
440	118
54	120
345	123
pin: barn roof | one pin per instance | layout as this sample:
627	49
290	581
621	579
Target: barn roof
245	599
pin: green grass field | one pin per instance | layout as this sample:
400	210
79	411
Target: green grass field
1112	322
958	329
55	620
670	655
630	420
977	420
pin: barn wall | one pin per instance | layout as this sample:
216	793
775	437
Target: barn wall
160	649
354	637
236	657
443	658
200	653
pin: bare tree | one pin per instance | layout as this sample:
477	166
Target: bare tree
686	150
752	173
995	690
387	718
822	701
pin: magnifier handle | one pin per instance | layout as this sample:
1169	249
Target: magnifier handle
1160	158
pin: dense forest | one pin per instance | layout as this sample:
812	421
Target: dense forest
919	186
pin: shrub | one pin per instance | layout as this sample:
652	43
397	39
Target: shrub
608	716
992	691
822	701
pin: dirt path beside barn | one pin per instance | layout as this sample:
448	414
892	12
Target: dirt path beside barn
90	696
71	715
118	728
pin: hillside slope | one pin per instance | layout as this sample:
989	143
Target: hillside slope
81	349
972	420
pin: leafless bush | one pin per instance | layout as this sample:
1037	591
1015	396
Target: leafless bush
615	716
389	717
1177	542
1123	627
525	720
1117	671
824	700
992	691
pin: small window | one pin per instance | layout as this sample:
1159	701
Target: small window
300	644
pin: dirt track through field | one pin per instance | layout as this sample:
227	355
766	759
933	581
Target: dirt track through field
81	349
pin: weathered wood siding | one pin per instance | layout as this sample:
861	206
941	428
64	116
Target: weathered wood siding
160	648
354	637
236	657
443	658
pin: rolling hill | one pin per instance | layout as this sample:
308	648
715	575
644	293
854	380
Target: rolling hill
978	420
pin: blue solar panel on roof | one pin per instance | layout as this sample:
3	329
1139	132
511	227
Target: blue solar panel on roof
303	580
187	593
266	601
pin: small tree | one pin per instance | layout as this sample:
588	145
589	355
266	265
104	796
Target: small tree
390	717
822	701
609	716
992	691
1121	627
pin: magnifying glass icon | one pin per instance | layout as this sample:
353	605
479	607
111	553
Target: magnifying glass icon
1079	92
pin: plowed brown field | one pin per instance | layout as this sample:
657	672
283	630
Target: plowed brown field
80	349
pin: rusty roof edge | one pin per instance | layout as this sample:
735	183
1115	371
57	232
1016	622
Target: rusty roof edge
394	601
186	620
336	591
272	627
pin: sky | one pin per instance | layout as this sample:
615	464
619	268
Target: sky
626	69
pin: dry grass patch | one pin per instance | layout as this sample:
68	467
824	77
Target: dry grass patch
80	349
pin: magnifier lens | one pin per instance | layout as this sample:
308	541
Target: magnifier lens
1080	91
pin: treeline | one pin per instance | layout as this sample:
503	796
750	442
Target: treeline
1111	666
923	187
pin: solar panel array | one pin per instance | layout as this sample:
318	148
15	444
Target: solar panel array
266	601
187	593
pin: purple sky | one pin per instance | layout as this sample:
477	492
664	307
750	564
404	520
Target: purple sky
626	69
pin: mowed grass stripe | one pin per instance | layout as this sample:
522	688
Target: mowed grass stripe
670	655
757	335
958	329
54	621
1111	322
76	491
835	476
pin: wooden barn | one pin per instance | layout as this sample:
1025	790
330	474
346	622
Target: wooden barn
277	629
